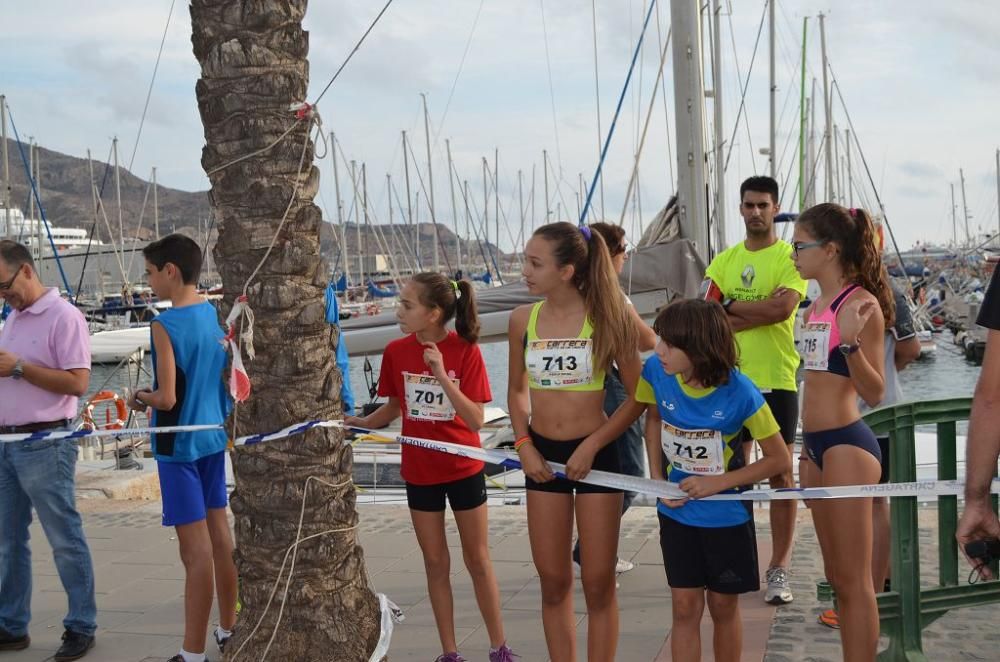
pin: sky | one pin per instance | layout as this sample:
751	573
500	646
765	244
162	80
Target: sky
516	77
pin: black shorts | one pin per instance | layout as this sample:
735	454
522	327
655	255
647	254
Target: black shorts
784	405
722	559
463	494
883	445
560	451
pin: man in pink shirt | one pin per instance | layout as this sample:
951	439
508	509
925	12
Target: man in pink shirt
44	369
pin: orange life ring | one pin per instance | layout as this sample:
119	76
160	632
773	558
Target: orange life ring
121	411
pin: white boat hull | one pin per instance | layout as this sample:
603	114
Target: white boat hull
117	345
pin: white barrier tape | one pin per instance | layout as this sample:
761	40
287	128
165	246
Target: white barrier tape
290	431
93	434
510	460
660	488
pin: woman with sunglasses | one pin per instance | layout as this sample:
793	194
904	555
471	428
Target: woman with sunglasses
843	350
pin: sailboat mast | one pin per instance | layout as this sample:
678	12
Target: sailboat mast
118	193
430	185
93	198
364	208
965	206
689	109
340	208
828	111
545	172
38	192
520	206
850	180
454	208
720	156
357	223
486	207
31	175
156	209
409	200
496	196
838	176
5	192
802	119
954	223
772	144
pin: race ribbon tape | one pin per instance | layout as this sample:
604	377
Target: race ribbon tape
510	460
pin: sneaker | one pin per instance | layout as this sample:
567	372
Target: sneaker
830	619
451	657
777	592
75	645
623	566
10	642
503	654
220	641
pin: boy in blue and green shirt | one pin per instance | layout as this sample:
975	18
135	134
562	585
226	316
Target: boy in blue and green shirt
697	403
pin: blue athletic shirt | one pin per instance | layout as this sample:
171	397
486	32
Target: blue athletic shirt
711	419
200	359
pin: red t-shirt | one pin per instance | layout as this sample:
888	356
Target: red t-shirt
427	412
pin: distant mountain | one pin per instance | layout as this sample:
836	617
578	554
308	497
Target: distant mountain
66	196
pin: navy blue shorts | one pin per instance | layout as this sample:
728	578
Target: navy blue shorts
190	489
857	434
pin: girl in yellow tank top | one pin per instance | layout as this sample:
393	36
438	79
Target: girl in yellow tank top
565	364
556	400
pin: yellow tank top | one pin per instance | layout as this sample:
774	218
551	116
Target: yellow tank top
561	364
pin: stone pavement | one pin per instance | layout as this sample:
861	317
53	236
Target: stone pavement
962	634
140	593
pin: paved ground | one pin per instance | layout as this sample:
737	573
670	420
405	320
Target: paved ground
140	592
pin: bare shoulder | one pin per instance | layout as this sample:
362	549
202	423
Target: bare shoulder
519	317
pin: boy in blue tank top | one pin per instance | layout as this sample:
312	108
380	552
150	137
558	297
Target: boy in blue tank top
188	362
697	404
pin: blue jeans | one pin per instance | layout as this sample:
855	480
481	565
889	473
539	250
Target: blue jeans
631	448
41	474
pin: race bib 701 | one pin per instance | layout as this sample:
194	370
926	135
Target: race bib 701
426	399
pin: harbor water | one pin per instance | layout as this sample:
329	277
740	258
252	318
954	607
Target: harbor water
943	374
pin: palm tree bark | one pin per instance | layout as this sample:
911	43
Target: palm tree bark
253	66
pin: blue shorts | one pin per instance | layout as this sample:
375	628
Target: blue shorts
190	489
856	434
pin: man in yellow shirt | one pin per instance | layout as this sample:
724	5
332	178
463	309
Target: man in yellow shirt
760	289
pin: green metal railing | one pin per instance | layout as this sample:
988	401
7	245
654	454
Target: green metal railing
908	608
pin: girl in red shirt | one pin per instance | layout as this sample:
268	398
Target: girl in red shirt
436	379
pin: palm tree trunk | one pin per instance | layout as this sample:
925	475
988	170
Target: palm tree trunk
253	65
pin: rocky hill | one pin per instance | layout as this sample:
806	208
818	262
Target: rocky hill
66	197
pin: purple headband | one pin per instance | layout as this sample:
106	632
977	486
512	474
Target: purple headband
853	212
585	231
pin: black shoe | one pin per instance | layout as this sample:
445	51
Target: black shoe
75	645
221	641
9	642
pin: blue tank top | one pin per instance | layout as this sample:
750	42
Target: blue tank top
200	358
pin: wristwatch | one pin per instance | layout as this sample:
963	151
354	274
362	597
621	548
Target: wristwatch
18	371
847	349
726	303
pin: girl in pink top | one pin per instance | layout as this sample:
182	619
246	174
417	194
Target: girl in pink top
842	348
